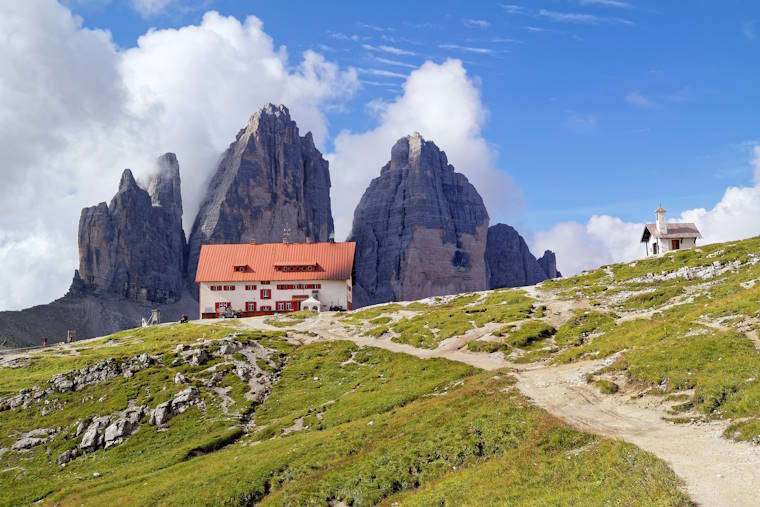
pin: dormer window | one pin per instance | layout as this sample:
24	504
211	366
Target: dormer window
296	266
241	268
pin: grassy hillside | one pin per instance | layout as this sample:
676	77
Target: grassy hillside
293	415
340	424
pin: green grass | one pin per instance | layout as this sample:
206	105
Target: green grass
606	386
481	436
488	346
576	330
377	427
530	333
431	326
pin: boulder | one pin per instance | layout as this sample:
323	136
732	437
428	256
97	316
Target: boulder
94	435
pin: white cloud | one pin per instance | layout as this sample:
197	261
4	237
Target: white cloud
76	111
432	96
476	23
514	9
638	99
391	50
607	3
395	63
382	72
579	18
150	8
606	239
467	49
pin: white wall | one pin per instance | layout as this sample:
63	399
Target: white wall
665	245
331	293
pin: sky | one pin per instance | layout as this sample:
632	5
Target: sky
574	119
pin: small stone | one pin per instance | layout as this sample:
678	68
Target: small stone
179	378
96	474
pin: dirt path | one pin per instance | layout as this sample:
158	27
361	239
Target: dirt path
716	471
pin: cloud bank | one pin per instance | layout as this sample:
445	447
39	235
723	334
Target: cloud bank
605	239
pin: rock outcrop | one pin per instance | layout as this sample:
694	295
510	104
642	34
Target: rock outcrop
270	179
548	263
509	262
420	229
135	247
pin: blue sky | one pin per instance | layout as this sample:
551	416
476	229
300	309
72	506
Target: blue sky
594	107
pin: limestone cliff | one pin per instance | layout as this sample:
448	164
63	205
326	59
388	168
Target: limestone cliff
135	247
509	262
420	229
270	179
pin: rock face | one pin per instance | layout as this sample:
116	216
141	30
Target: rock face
135	247
548	263
420	229
509	262
269	179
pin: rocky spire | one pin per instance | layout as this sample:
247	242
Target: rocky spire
548	263
509	261
135	247
269	179
420	228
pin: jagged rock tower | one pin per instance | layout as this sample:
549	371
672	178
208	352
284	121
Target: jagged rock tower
509	262
135	247
420	229
269	179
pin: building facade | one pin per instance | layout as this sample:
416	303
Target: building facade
261	279
663	236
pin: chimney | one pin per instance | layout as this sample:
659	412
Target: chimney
308	239
252	242
331	239
662	224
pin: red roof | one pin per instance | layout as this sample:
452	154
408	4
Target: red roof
332	261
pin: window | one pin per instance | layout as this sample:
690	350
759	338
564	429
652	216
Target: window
264	282
213	287
222	305
280	306
250	306
240	269
311	268
232	287
250	287
288	305
318	286
266	293
266	308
